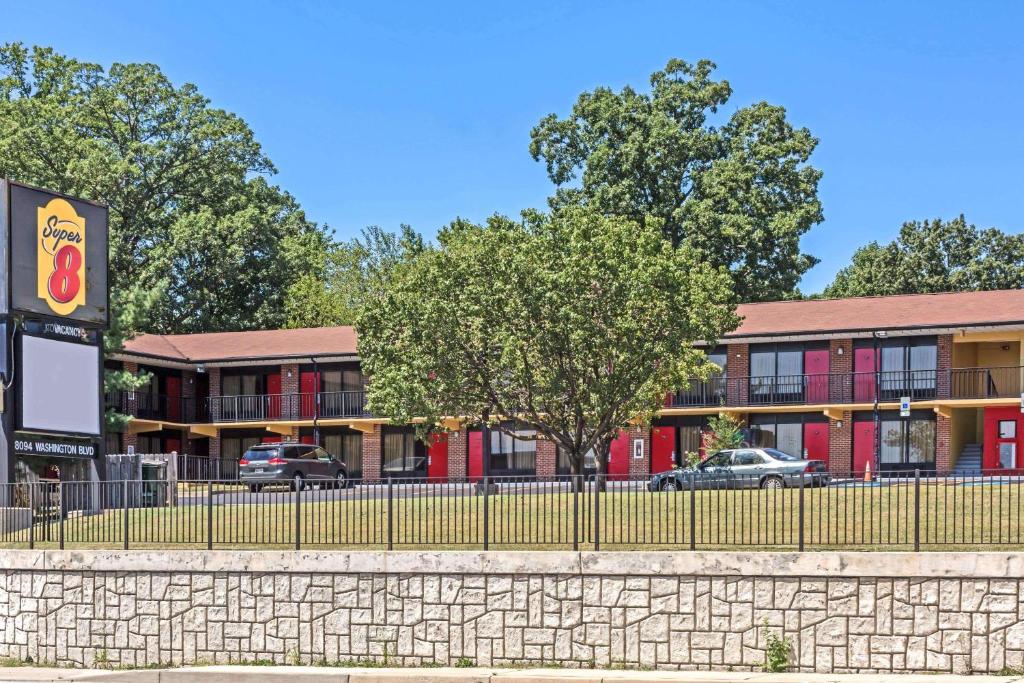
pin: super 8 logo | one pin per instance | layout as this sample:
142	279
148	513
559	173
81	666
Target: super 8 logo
61	257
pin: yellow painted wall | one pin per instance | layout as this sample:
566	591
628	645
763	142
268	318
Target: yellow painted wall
992	354
964	428
965	355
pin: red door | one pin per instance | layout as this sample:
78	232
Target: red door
816	441
618	457
663	449
172	445
475	468
994	441
816	371
864	375
437	456
308	388
271	439
308	440
863	446
173	388
274	396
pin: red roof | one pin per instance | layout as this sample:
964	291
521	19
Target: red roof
868	313
219	346
777	318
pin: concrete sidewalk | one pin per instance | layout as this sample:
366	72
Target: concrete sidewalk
305	674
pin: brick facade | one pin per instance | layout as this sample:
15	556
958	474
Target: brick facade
372	455
944	364
840	443
640	467
840	365
458	454
290	387
737	368
943	458
547	458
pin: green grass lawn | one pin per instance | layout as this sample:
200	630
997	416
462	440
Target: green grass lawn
856	517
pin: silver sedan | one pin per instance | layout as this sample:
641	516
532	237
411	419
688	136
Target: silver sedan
738	468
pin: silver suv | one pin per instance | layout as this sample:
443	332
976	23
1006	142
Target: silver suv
292	463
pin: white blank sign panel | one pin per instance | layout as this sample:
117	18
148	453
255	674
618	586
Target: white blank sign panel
60	386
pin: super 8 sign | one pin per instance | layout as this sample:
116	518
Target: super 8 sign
58	255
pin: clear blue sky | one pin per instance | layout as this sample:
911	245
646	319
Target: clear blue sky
384	113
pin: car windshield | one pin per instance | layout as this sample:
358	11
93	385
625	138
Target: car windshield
779	455
260	454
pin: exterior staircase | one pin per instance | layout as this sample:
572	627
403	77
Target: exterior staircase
969	462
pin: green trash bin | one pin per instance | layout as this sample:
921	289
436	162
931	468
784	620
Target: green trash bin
154	478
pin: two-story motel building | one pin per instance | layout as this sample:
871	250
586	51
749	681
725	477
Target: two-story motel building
804	376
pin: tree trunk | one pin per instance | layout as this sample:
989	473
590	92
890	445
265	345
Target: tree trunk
601	454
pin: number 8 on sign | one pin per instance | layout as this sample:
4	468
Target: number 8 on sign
61	257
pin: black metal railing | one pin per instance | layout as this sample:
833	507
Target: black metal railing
304	406
808	389
149	406
908	510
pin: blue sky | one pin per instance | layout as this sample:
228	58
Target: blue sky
389	113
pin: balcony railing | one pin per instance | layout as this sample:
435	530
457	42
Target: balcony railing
1001	382
803	389
148	406
809	389
263	407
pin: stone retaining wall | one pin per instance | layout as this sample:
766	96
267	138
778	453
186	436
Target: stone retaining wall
945	612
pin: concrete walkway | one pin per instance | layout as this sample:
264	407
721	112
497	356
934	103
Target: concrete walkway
304	674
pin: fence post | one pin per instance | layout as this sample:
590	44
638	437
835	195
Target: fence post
31	516
917	510
576	482
487	513
391	510
693	512
298	517
124	511
801	522
597	512
60	515
209	514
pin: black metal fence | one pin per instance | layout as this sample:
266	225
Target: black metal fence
907	511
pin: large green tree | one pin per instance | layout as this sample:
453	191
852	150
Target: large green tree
575	323
934	256
332	290
191	214
740	191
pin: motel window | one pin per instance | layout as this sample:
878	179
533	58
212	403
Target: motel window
904	443
349	449
403	455
1007	429
233	447
776	369
513	454
783	431
907	365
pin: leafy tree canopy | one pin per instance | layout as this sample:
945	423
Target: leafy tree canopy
741	193
190	213
934	256
575	323
332	291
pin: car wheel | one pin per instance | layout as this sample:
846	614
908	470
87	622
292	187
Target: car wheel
773	483
298	482
340	481
670	486
255	488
